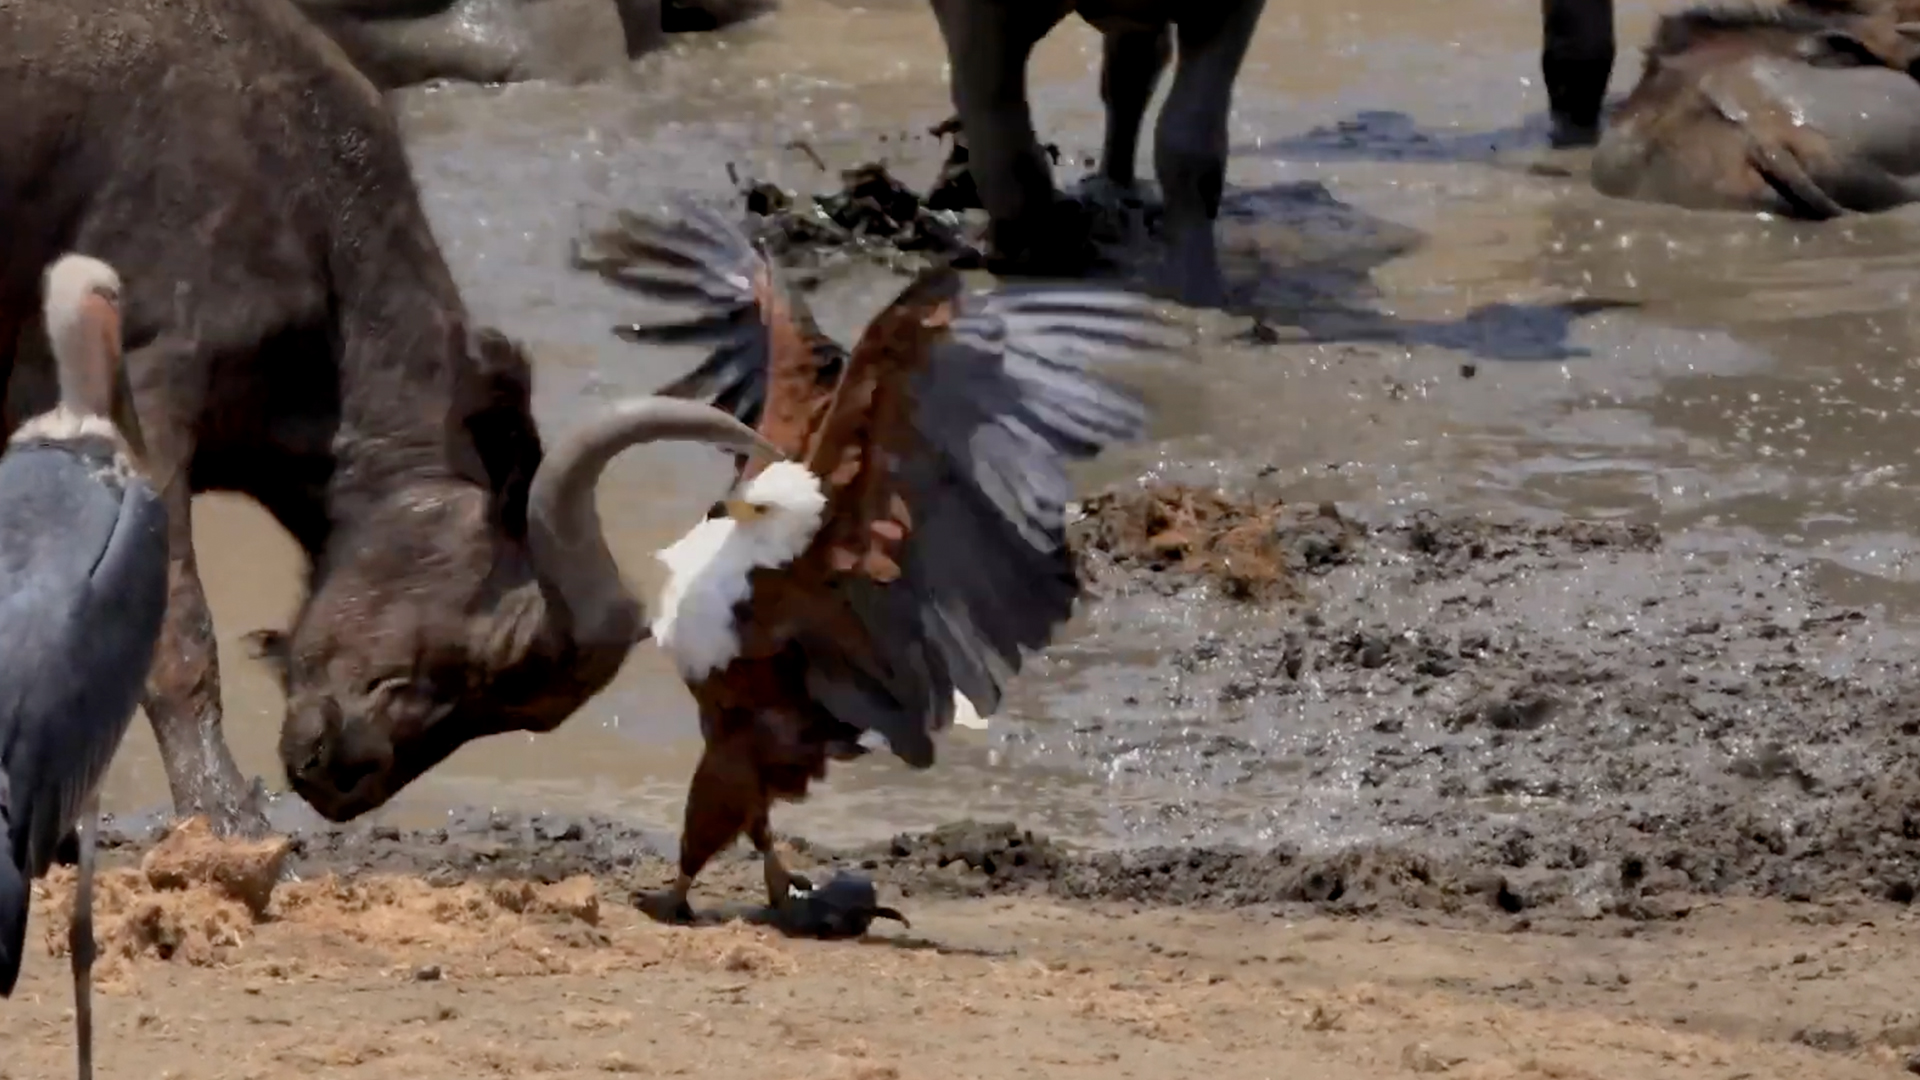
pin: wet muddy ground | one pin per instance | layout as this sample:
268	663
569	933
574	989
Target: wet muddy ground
1567	720
1588	591
380	975
1525	572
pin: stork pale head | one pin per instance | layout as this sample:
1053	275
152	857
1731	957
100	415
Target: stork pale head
83	326
771	519
82	316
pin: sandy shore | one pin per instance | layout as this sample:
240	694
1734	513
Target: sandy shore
382	975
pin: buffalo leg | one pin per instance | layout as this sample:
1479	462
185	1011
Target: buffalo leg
182	697
1576	60
722	801
988	43
1190	143
80	944
1130	69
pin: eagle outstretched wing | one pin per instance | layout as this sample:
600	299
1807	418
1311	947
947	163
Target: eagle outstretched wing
941	440
741	307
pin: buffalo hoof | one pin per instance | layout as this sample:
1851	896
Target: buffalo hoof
1105	194
1058	244
665	905
1191	276
1118	215
1568	134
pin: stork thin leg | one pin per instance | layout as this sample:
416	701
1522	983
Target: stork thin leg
80	938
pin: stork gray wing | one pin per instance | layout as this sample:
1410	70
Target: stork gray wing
83	589
1006	399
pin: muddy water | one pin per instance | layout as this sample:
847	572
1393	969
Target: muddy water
1755	396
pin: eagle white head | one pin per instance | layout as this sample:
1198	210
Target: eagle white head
770	520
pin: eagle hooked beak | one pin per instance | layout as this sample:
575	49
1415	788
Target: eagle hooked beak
742	510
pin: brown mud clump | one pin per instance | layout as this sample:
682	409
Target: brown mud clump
193	899
192	904
245	871
1191	533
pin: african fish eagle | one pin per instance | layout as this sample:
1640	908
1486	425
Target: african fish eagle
908	550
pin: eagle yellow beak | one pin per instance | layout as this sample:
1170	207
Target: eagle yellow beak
742	510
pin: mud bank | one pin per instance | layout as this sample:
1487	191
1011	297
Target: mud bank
1515	721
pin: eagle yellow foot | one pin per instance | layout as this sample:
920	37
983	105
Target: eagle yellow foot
784	887
842	908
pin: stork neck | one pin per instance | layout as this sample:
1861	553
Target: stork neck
86	361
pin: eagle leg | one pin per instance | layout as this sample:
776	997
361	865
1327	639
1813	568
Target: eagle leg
722	800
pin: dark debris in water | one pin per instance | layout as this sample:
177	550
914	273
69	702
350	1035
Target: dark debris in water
877	216
873	215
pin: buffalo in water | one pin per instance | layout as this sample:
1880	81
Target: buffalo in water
989	42
1809	110
293	333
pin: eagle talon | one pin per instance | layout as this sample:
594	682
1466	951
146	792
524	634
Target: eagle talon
842	908
799	889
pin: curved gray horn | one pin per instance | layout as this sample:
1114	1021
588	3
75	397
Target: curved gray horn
569	550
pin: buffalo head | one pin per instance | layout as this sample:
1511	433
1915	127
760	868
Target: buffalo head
442	609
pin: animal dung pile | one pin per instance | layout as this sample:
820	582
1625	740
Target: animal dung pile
1191	532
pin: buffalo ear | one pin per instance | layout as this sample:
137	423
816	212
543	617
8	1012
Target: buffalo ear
270	648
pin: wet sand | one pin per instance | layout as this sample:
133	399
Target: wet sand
374	975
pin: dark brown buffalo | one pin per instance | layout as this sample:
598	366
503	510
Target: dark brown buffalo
293	333
1808	110
1576	60
1577	53
989	41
